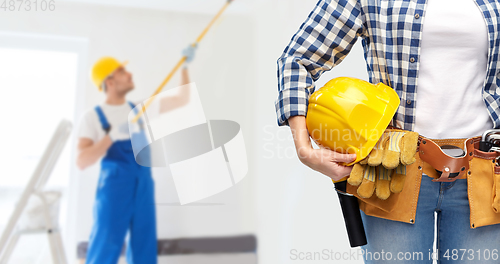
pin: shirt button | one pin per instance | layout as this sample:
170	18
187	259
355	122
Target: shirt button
417	16
408	101
412	59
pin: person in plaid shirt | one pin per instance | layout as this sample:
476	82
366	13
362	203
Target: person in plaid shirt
454	59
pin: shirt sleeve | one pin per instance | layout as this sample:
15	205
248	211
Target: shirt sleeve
87	127
321	43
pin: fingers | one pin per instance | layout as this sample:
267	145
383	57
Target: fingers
409	148
377	153
189	52
363	161
356	176
397	183
382	185
382	189
327	162
341	173
340	157
392	150
336	171
391	159
367	186
375	157
398	179
365	190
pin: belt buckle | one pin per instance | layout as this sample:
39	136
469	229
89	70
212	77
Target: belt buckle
446	177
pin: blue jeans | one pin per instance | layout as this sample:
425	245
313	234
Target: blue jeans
413	243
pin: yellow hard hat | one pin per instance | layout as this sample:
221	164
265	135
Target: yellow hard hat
349	115
103	68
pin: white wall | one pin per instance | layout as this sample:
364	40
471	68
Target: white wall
286	203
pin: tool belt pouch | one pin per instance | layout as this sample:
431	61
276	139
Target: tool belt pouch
399	206
483	187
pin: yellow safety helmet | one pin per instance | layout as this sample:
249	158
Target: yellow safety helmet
103	68
349	115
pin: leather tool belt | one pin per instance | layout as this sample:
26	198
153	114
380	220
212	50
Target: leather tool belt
450	168
479	168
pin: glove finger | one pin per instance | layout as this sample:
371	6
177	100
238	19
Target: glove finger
409	148
367	186
375	157
189	53
365	190
398	179
392	150
382	188
356	176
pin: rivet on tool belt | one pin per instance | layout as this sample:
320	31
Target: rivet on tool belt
451	162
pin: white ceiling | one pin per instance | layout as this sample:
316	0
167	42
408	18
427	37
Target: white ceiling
191	6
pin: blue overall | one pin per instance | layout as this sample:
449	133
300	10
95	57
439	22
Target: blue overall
124	202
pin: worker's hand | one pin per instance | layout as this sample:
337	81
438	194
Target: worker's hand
119	133
322	160
326	161
189	52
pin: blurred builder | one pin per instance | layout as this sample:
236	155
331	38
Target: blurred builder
125	192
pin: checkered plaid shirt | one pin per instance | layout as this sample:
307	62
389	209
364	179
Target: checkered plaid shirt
391	32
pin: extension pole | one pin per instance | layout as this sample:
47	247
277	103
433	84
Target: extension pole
179	64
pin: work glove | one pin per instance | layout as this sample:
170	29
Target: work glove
384	169
189	52
118	133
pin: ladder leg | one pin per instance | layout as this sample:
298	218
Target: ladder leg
9	248
60	247
52	232
53	246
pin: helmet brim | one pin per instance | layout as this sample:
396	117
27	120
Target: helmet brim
120	65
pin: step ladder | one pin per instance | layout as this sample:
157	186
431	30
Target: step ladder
38	205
